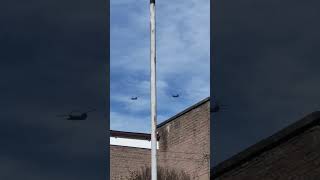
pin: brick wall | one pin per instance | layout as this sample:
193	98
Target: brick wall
296	159
124	160
184	145
184	142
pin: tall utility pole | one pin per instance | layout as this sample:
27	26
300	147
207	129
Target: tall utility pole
153	90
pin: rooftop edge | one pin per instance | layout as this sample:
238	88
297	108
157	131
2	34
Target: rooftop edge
266	144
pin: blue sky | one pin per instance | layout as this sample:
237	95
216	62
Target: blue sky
183	64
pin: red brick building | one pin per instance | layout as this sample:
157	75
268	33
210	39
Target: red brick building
183	144
291	154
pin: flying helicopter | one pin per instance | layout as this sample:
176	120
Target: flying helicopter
77	117
134	98
175	95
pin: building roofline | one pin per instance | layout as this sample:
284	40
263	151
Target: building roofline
146	136
130	135
147	149
184	112
271	142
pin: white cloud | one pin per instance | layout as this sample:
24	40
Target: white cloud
121	121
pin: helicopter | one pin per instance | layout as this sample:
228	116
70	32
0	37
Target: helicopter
77	117
134	98
175	96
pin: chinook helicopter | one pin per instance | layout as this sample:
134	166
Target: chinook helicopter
175	95
77	117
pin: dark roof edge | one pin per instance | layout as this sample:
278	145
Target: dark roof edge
148	149
184	111
267	144
131	135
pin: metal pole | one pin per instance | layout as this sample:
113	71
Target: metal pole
153	91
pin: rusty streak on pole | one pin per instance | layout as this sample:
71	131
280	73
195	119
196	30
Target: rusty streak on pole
153	91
